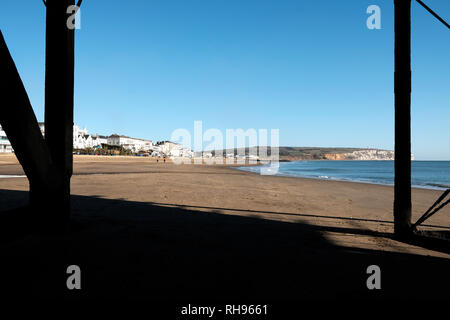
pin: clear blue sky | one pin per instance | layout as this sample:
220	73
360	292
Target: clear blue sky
309	68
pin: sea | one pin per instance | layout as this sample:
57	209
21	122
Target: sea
424	174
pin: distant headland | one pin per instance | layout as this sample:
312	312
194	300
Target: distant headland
321	153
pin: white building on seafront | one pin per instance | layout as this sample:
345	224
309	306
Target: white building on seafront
5	145
133	144
83	140
172	149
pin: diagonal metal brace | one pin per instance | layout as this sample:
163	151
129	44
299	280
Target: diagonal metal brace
18	120
435	206
433	13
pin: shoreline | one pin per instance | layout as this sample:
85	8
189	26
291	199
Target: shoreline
11	169
251	172
343	180
428	186
235	167
226	185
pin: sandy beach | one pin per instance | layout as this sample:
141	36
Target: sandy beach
164	230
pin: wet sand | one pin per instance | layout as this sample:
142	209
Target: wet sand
177	231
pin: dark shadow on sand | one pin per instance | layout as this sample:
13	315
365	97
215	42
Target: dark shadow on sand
191	207
141	250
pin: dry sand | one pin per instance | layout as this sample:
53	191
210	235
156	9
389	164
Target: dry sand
204	227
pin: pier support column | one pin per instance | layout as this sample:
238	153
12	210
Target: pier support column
402	89
59	87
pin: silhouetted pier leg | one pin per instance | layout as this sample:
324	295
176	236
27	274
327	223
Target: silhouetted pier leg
402	83
19	122
59	82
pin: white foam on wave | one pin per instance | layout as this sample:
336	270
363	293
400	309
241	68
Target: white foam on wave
287	171
2	176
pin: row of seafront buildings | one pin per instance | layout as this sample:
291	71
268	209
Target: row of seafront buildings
5	145
82	140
